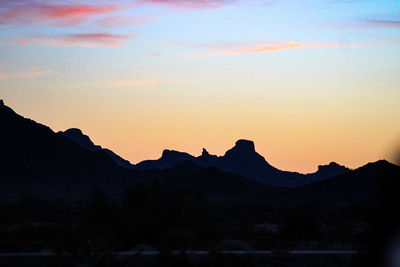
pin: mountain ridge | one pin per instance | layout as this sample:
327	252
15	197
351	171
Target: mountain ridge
242	159
84	141
365	182
36	160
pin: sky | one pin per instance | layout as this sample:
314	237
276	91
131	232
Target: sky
309	82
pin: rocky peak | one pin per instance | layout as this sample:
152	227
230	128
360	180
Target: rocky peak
5	108
81	139
74	131
331	166
172	154
205	153
332	169
244	150
245	145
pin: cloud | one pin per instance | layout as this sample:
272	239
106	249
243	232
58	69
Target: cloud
366	24
121	21
257	47
7	76
33	13
189	4
270	47
70	13
377	23
79	40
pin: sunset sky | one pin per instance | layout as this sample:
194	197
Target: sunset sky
309	82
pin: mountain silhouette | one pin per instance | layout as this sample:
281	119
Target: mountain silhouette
326	171
360	185
81	139
242	159
214	183
84	141
169	158
35	160
52	184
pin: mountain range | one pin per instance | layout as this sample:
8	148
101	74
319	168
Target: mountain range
242	160
35	160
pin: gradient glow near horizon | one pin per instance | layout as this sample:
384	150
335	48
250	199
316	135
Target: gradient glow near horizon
309	82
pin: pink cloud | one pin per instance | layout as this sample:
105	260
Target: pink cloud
31	13
121	21
259	48
81	40
7	76
189	4
253	48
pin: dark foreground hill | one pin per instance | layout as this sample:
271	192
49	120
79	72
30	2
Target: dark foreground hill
364	184
35	160
215	184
